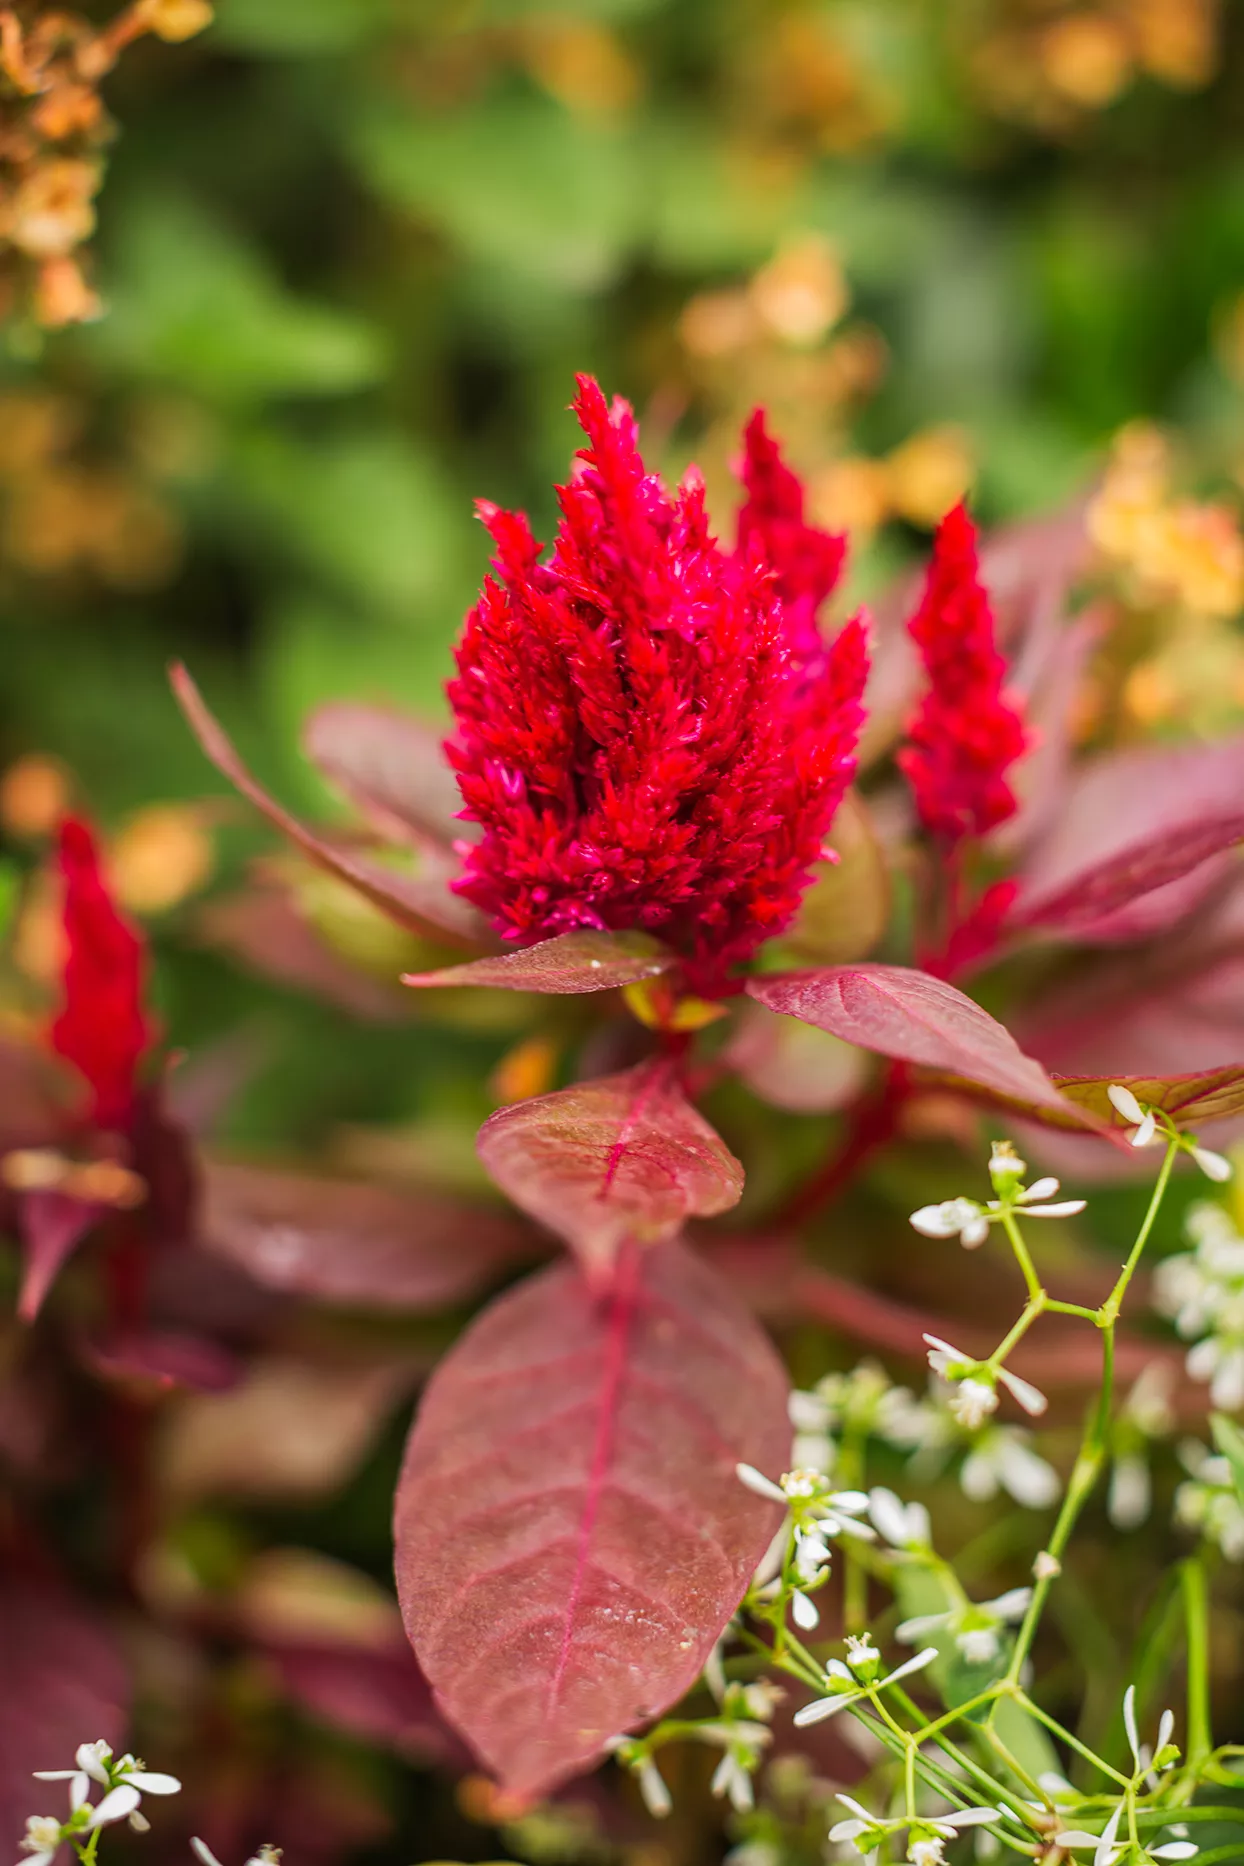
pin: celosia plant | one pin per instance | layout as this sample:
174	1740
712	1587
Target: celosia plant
652	737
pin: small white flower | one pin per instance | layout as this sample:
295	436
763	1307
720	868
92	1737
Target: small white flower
1142	1119
655	1795
41	1840
1003	1458
1034	1202
846	1688
863	1657
756	1481
804	1612
743	1743
1208	1503
867	1831
903	1525
961	1218
972	1401
1149	1763
1105	1852
976	1626
116	1805
959	1368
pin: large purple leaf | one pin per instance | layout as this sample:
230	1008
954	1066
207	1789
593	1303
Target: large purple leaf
392	767
341	1241
621	1157
64	1684
421	901
571	1535
571	963
914	1018
1133	821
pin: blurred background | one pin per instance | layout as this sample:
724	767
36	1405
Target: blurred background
347	256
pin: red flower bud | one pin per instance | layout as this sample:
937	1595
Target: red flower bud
967	731
102	1028
650	730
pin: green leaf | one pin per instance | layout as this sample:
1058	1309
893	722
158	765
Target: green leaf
517	181
294	28
192	304
366	510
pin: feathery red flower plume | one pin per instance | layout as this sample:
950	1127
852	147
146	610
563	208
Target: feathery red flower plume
967	731
102	1028
644	735
807	561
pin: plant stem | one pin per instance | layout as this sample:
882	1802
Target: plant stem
1193	1582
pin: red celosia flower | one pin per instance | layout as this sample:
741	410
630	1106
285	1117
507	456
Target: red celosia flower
808	562
645	737
101	1029
968	731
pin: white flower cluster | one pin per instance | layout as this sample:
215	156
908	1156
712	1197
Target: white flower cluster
1150	1766
1203	1291
819	1515
926	1838
1209	1502
1150	1126
861	1404
124	1781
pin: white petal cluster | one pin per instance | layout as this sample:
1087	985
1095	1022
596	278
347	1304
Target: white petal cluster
855	1681
1147	1128
818	1516
977	1627
1202	1290
974	1384
969	1220
926	1838
1208	1502
124	1781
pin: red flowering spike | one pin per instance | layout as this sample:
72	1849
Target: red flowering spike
968	731
807	562
641	733
101	1029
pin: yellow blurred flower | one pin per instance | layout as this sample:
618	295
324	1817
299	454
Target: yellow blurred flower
526	1070
717	324
1183	550
34	795
161	856
1176	40
929	474
1086	58
52	210
174	20
582	64
851	495
802	292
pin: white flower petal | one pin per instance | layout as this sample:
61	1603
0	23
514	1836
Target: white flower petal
889	1515
53	1775
909	1631
1143	1137
1066	1208
821	1708
1012	1605
1040	1190
1129	1723
1125	1103
203	1852
153	1784
757	1481
916	1664
1214	1165
1174	1850
115	1806
974	1233
803	1612
1166	1730
849	1830
932	1221
1029	1397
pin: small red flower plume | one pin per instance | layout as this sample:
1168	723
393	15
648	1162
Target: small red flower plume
968	731
101	1028
645	734
807	562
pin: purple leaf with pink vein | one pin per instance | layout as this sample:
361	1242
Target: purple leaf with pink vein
570	964
571	1535
338	1240
912	1017
1131	822
621	1157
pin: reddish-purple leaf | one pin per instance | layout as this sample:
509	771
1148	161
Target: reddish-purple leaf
421	901
377	1694
341	1241
571	963
1131	822
571	1535
393	769
53	1224
793	1065
64	1684
166	1359
263	930
912	1017
623	1156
